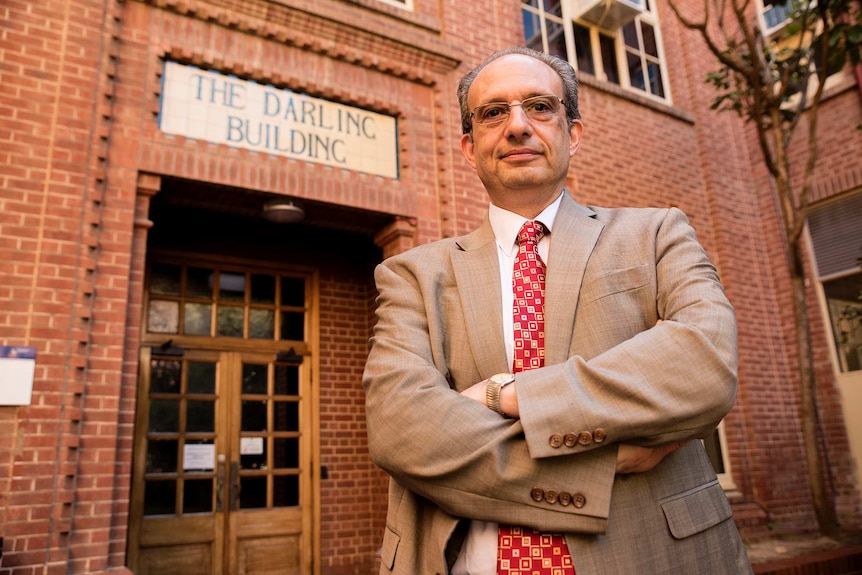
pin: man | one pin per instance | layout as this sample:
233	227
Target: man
623	353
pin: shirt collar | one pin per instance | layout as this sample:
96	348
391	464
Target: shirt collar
506	224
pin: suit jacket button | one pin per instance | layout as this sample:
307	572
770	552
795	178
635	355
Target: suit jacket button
564	498
585	438
599	435
570	439
579	500
551	496
556	440
537	493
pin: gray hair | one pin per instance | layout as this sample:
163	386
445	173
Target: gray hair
558	65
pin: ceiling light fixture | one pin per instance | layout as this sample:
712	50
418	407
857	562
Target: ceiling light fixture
283	211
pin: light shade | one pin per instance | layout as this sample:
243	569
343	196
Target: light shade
283	211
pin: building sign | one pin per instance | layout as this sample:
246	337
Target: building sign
222	109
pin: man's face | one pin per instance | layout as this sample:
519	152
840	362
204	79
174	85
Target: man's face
521	160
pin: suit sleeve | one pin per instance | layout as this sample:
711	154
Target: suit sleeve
673	382
447	448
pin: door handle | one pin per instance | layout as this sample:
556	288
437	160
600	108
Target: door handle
233	497
220	482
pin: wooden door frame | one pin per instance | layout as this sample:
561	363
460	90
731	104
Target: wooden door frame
310	350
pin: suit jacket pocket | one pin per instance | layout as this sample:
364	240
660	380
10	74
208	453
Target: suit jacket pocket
389	548
696	510
615	281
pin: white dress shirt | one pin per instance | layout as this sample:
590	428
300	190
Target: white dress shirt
479	552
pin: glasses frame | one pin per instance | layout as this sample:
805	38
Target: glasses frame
507	106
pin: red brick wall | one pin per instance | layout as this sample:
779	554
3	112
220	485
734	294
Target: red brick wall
56	66
80	153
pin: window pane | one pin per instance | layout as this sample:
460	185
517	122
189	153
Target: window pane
609	59
261	324
201	378
286	380
254	458
254	378
262	289
230	321
285	491
231	286
293	292
200	416
553	7
630	35
532	31
286	414
198	496
648	33
160	498
164	415
163	316
655	85
199	283
286	453
292	326
556	39
162	456
253	416
165	376
584	49
165	279
636	76
252	494
197	318
844	299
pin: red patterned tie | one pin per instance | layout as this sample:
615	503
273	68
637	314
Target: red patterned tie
521	550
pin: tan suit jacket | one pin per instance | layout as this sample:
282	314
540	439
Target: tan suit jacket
611	376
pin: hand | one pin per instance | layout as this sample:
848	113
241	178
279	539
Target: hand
634	459
477	392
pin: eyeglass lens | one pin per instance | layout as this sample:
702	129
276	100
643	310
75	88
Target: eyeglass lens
537	108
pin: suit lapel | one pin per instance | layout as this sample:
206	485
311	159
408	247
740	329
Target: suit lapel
573	239
477	274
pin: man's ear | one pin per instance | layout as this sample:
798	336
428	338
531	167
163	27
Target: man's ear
576	132
467	149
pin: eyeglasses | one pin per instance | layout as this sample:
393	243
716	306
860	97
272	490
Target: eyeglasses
540	108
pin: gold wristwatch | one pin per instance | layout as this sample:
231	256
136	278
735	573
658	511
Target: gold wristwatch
492	390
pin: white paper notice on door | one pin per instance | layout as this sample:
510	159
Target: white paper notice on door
198	456
251	446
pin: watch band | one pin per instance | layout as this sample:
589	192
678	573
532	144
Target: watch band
493	388
492	397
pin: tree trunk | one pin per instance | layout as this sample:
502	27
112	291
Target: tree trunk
824	508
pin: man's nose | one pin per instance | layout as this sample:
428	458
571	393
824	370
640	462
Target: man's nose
518	123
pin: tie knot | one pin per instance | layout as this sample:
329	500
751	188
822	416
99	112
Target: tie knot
531	232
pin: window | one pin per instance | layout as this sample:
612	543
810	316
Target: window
408	4
717	453
629	56
836	237
775	14
774	17
543	26
642	61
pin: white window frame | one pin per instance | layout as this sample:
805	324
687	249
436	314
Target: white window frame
725	477
649	16
543	18
406	4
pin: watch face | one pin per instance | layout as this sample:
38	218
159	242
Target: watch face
503	378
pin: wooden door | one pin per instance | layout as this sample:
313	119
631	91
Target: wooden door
225	428
268	520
